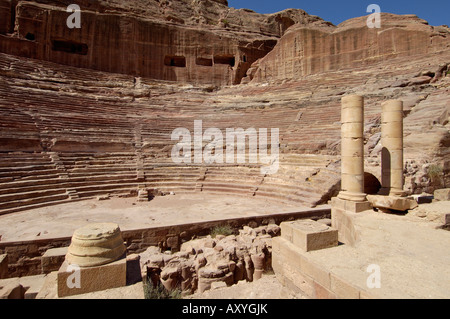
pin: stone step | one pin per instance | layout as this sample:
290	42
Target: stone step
298	198
11	198
32	201
103	188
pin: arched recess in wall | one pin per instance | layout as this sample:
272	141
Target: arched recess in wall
371	184
371	187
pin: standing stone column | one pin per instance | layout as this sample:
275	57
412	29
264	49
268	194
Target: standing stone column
392	179
352	149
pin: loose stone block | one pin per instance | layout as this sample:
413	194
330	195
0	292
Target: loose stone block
442	194
134	274
53	259
310	235
392	202
12	291
423	199
3	266
91	279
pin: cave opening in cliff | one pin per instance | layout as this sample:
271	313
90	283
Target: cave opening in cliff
204	61
225	59
30	36
69	47
174	60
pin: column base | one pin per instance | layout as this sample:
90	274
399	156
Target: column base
354	197
385	191
397	193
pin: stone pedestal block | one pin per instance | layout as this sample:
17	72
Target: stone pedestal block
309	235
343	213
53	259
349	205
91	279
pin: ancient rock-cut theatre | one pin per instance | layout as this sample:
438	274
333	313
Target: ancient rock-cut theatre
87	178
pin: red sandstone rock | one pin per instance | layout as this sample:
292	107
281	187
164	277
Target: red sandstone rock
69	133
306	50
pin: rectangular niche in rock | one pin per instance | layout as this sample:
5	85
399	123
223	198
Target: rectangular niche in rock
174	60
70	47
225	59
204	61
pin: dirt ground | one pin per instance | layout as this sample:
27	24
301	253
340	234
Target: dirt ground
62	220
268	287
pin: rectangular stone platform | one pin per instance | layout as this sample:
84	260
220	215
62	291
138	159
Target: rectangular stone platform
92	279
309	235
403	253
299	272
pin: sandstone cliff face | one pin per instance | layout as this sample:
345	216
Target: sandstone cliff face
199	42
306	50
68	132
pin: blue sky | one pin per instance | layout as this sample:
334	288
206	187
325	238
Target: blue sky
436	12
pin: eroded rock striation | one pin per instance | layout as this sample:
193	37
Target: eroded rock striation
72	129
199	42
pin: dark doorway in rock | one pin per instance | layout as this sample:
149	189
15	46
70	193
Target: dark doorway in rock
175	60
70	47
225	59
30	36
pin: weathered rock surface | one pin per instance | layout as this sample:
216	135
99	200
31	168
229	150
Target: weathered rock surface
201	42
70	133
306	50
206	263
442	194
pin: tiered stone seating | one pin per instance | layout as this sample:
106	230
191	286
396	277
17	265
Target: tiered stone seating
95	174
99	138
300	179
29	180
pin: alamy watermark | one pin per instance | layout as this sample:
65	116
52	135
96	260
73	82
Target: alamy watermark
374	279
374	20
213	153
74	280
74	20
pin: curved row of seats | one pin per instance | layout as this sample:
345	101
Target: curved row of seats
75	159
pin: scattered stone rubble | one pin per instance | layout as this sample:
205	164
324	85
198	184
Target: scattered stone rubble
208	263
